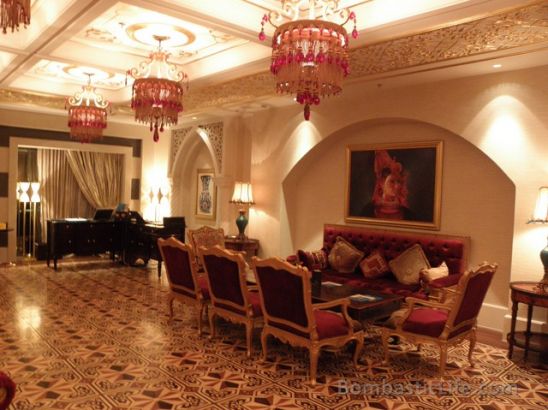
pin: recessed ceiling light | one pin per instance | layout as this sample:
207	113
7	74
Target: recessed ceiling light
194	118
497	65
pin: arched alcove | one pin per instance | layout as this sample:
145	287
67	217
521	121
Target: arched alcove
194	154
477	196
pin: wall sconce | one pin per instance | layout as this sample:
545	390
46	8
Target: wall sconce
243	195
540	215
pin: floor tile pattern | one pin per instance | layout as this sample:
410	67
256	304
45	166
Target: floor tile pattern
96	335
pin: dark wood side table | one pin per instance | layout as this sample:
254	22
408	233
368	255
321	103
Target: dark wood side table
250	246
531	295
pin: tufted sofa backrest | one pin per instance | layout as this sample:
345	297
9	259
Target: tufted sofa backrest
454	250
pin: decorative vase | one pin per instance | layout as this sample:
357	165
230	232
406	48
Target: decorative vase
241	222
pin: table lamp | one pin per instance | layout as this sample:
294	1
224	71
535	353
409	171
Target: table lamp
541	216
242	195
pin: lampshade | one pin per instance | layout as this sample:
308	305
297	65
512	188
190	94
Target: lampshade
35	197
540	215
243	193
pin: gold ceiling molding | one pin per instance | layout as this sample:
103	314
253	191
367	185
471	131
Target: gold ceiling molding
503	31
13	97
499	32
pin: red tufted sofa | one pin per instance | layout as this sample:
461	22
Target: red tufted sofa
454	250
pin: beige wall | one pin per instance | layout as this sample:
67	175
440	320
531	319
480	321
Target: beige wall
504	115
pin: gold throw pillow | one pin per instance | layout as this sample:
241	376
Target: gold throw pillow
408	265
344	257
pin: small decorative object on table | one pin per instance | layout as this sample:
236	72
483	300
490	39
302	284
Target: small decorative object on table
242	195
541	216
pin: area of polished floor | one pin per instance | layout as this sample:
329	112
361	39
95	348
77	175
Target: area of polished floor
95	335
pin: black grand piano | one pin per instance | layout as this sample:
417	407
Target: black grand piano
130	239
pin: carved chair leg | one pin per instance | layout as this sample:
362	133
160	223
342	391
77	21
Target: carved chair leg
384	337
314	354
264	337
249	336
358	349
211	315
472	345
200	314
170	304
443	358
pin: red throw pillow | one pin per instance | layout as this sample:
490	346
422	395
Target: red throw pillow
374	266
313	260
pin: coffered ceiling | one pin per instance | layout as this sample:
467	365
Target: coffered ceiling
216	44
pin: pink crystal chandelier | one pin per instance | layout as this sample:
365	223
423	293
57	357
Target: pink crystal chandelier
157	96
13	13
309	49
87	112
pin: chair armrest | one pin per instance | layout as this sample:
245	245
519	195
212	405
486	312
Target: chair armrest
450	280
331	303
427	303
343	303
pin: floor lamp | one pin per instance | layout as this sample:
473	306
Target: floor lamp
24	199
35	200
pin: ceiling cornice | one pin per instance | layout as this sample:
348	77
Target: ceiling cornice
499	34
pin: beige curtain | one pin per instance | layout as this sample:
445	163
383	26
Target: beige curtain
99	176
60	195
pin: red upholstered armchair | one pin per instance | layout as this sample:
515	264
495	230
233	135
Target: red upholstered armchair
184	283
290	316
7	391
231	298
445	324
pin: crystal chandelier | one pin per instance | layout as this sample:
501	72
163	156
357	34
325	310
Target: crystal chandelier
87	113
309	48
13	13
157	96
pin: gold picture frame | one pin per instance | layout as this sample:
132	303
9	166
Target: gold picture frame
206	194
397	184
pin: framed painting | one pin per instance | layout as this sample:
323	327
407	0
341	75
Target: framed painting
395	184
205	194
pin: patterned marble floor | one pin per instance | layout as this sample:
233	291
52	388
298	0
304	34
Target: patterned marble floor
95	335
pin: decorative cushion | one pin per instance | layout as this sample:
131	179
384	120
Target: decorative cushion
408	265
374	266
313	260
330	324
344	257
435	273
424	321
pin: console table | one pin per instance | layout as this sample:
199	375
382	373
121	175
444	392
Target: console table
529	294
248	245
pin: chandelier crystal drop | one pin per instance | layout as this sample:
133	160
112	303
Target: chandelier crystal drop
309	49
13	13
157	96
87	112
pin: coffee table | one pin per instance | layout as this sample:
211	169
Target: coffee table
366	312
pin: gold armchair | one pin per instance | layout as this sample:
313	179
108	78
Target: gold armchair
206	237
290	315
447	323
